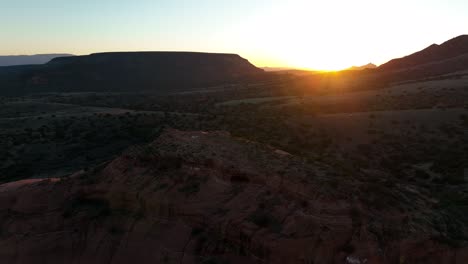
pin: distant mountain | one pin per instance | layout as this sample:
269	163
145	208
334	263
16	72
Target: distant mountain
29	59
275	69
129	72
363	67
287	70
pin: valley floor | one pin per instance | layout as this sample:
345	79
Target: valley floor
247	173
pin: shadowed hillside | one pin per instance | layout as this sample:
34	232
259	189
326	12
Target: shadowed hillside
452	48
449	57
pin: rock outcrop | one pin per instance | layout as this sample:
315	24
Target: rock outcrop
199	197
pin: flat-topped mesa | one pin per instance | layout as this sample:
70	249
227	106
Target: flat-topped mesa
15	60
158	60
137	72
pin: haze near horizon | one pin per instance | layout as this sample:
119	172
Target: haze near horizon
321	35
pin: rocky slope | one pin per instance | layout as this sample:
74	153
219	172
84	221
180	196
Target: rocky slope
198	197
448	57
434	53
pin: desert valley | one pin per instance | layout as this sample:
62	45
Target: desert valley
183	157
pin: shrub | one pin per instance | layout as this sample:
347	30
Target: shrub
421	174
190	188
262	218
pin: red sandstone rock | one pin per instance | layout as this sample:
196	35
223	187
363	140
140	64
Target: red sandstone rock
192	197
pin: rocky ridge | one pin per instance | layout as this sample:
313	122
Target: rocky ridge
208	197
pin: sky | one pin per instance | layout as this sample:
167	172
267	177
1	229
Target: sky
320	35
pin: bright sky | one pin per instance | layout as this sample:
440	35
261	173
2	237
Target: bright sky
327	34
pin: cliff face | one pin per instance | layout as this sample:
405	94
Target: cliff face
135	72
197	197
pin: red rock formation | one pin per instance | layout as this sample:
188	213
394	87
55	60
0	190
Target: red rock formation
196	197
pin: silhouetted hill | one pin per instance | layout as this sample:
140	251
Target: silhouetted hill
435	60
434	53
130	72
29	59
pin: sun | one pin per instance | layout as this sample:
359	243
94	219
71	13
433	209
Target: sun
295	49
303	38
325	60
321	55
319	64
